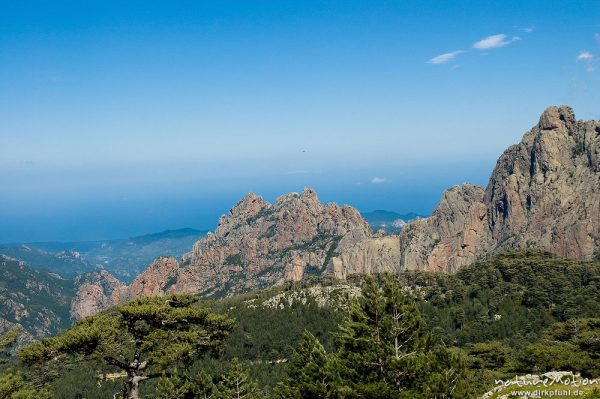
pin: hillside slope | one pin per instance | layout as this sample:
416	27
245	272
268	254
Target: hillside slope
37	300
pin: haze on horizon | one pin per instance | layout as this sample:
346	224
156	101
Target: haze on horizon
122	119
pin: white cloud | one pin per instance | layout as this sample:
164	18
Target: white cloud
585	56
379	180
443	58
529	29
588	59
495	41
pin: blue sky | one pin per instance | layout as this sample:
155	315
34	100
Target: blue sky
120	118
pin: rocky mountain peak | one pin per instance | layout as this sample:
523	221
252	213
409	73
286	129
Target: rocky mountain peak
544	192
451	237
458	199
307	198
257	245
248	206
309	194
557	117
261	244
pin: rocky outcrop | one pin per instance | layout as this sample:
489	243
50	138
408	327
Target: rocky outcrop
260	244
544	192
96	291
256	245
453	236
155	280
362	253
100	290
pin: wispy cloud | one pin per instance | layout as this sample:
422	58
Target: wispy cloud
379	180
585	56
443	58
588	59
495	41
597	37
490	42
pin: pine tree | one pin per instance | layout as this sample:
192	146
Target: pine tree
204	388
12	385
311	372
384	351
237	384
169	388
7	341
144	337
176	386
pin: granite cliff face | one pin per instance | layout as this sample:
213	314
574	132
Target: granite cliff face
363	253
96	291
544	192
155	280
453	236
100	290
260	244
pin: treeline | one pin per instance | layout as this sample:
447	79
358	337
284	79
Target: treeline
512	297
504	314
383	352
416	335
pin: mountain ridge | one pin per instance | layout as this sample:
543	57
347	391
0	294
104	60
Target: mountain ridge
544	192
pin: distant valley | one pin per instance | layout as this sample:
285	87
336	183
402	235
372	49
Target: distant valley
124	258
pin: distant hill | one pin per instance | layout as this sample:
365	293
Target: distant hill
37	300
62	261
390	222
125	258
